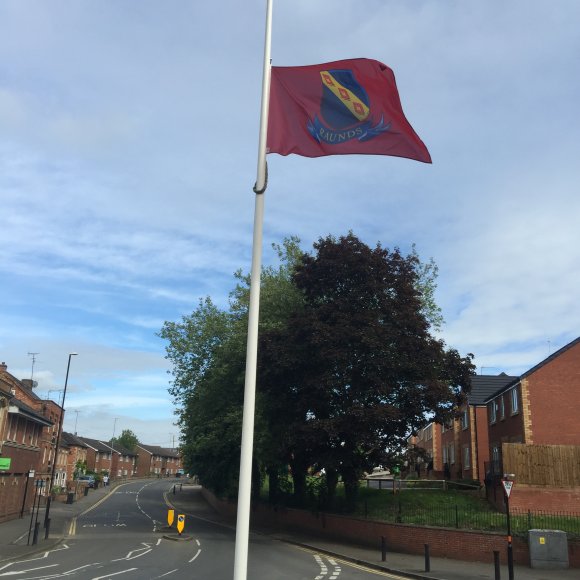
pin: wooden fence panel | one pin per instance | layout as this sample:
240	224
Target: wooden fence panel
549	465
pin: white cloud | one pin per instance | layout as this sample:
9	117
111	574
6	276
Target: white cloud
128	154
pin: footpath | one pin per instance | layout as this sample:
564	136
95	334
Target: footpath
188	500
16	536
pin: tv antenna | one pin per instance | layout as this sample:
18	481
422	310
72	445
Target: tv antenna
33	355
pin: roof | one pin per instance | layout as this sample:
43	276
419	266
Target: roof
96	445
541	364
161	451
72	440
484	386
16	406
123	450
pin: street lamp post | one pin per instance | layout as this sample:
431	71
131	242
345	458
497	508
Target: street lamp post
113	448
56	447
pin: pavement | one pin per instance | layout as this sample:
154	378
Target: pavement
14	542
17	536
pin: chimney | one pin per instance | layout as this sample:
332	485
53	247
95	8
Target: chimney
29	383
3	366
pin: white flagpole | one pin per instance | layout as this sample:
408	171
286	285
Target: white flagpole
245	484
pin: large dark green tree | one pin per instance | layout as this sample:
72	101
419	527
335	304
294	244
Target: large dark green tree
355	369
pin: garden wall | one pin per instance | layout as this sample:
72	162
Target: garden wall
404	538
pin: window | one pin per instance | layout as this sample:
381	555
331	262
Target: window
514	400
465	418
493	412
502	408
451	454
466	462
445	455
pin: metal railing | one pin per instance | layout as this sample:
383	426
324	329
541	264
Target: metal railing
455	516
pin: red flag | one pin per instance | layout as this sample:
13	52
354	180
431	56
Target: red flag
341	107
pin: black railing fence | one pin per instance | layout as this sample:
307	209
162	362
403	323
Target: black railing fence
453	516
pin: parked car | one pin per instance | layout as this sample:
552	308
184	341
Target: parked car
88	479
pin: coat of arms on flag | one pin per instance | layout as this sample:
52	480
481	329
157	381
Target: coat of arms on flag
344	109
348	106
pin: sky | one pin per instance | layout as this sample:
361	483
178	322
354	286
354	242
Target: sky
128	152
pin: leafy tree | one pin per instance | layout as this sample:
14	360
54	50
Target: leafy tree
127	439
207	350
355	367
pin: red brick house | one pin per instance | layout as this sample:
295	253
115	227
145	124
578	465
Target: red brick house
429	440
28	426
459	449
124	462
21	429
464	441
99	456
153	460
538	409
76	451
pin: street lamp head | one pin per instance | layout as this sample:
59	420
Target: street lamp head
73	353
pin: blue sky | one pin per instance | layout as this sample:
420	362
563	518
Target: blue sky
128	142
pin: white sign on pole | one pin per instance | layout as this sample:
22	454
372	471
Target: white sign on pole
507	486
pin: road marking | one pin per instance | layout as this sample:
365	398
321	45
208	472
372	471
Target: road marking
43	557
368	569
113	574
196	555
130	556
20	538
167	573
105	498
15	572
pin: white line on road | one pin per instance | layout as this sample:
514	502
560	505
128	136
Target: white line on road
43	557
16	572
196	555
113	574
167	573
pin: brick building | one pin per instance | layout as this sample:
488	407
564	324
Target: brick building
76	456
99	456
125	462
153	460
540	407
532	417
21	443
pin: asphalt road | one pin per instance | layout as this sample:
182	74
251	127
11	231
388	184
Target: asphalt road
126	537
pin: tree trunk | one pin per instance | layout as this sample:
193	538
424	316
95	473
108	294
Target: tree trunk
349	476
299	468
273	484
331	483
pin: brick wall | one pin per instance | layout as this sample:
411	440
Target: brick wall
443	542
551	500
554	392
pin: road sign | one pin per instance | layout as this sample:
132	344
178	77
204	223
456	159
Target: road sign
5	463
170	517
507	486
180	523
31	473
